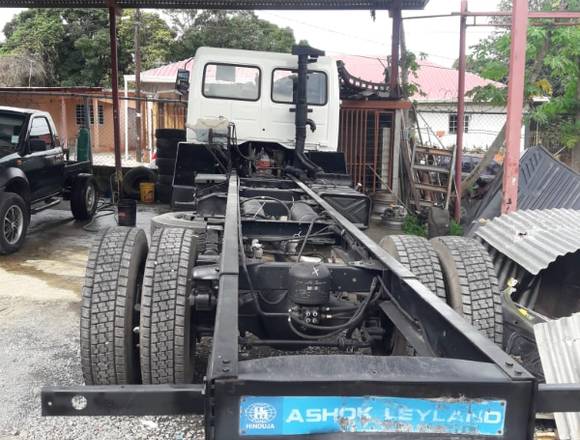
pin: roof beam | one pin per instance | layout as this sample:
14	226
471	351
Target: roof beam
220	4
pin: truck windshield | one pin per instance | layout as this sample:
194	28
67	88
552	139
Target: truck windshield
10	127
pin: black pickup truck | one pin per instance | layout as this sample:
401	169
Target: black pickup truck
35	175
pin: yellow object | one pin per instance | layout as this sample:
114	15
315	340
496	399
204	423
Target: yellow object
147	192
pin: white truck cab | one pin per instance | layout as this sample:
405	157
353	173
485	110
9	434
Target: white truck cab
255	90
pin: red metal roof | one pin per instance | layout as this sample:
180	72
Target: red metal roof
437	83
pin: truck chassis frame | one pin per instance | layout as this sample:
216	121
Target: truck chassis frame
458	362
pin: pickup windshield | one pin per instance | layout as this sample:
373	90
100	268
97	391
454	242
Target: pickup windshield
11	125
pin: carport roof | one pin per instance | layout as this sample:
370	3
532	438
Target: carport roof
218	4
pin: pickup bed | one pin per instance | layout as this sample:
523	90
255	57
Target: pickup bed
35	175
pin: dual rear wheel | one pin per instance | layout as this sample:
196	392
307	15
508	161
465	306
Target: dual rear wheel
135	313
458	270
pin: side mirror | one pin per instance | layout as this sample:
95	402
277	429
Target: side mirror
37	145
182	83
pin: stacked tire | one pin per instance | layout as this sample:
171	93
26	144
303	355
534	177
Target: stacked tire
167	140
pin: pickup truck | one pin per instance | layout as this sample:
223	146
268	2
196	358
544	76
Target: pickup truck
35	175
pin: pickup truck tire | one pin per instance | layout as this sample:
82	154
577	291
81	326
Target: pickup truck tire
133	179
84	197
14	220
165	166
170	133
109	308
167	346
417	255
471	282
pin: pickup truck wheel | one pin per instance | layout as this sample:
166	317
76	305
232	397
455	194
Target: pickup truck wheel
110	307
166	341
14	220
417	255
84	197
471	282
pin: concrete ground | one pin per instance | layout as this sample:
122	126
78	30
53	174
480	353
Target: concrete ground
39	334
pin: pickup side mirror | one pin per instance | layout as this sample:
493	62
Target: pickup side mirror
37	145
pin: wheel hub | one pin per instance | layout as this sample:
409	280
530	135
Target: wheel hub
13	224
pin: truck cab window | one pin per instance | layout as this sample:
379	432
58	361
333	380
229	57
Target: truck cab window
283	87
40	130
10	129
229	81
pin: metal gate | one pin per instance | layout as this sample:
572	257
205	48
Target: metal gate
366	138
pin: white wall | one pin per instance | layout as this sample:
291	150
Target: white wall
485	122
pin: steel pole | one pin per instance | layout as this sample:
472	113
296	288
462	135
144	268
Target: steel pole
515	106
460	109
115	93
395	49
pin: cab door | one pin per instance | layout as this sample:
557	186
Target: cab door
43	161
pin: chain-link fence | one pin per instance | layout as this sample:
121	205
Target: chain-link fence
84	117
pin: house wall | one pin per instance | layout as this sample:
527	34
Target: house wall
63	112
485	122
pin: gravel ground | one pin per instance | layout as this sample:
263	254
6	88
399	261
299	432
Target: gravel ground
39	338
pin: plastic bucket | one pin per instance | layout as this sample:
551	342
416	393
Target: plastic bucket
127	212
147	192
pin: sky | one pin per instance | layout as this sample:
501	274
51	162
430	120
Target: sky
355	32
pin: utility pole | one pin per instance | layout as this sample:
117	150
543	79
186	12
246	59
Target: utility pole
138	118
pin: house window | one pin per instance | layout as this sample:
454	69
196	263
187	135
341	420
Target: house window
453	123
81	114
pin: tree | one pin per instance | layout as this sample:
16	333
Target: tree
552	71
73	44
229	29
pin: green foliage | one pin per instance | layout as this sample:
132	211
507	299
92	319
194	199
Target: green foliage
229	29
553	70
73	44
455	228
413	226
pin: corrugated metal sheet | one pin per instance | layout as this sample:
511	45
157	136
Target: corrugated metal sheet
534	238
559	345
545	183
217	4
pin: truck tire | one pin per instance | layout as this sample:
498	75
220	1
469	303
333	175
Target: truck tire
471	282
133	179
84	197
165	166
165	179
417	255
166	343
14	221
182	220
109	308
163	192
170	133
167	148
